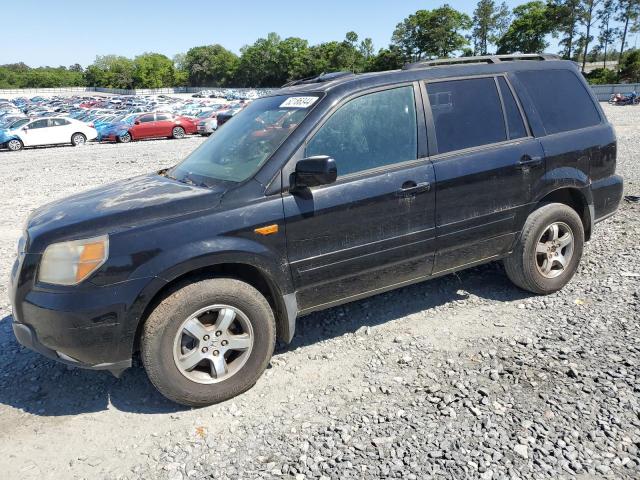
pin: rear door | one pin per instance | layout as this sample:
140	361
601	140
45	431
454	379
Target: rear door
486	165
59	131
374	227
163	125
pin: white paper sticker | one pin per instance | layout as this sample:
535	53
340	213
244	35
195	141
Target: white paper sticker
298	102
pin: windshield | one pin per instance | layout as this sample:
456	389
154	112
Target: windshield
245	142
18	123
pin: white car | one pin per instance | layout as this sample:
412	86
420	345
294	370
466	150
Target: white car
49	131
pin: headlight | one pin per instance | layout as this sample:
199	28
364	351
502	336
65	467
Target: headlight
69	263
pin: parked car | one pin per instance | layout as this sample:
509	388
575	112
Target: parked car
156	125
49	131
318	195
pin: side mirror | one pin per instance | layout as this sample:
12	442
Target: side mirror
137	122
313	171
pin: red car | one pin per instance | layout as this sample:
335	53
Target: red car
156	125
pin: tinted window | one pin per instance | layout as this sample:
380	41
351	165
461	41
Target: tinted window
147	118
163	116
39	124
466	113
514	119
370	131
57	122
560	99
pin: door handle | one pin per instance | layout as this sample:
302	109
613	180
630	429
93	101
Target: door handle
411	188
527	161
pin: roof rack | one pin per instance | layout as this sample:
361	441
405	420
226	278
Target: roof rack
323	77
488	59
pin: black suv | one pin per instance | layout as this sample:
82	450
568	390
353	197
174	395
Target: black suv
329	190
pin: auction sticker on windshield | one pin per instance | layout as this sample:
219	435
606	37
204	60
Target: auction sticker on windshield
298	102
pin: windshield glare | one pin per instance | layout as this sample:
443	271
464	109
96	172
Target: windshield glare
246	141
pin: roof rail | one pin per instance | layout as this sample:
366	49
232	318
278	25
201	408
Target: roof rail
323	77
480	59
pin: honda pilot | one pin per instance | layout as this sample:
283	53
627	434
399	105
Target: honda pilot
327	191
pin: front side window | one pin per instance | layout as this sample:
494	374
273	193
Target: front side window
147	118
370	131
467	113
247	140
38	124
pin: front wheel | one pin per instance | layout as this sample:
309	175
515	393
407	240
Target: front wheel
78	139
178	132
15	145
126	138
208	341
548	251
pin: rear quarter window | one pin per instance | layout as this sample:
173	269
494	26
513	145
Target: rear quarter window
561	100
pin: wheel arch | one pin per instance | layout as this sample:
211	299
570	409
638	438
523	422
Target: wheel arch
574	197
284	306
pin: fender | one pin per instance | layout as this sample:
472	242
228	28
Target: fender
172	264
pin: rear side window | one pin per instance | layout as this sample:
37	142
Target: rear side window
560	99
466	113
370	131
514	119
58	122
162	116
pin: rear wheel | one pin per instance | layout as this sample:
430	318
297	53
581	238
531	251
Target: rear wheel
15	145
178	132
126	138
208	341
549	250
78	139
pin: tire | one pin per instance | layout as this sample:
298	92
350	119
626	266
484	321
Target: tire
178	132
536	263
163	344
78	139
126	138
15	145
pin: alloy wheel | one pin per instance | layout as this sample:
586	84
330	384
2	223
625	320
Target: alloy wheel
554	250
213	344
14	145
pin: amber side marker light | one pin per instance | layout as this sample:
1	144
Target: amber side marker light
268	230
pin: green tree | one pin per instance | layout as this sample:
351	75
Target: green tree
607	33
588	20
431	33
630	66
490	22
210	65
110	71
628	12
271	61
565	16
153	70
386	59
528	30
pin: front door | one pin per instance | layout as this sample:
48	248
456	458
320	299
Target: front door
486	166
374	227
35	133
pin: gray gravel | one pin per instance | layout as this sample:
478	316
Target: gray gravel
460	377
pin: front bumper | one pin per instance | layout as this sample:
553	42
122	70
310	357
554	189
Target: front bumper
88	326
27	337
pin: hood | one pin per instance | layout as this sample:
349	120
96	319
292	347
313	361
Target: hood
125	204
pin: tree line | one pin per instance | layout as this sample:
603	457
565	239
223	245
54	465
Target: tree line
586	31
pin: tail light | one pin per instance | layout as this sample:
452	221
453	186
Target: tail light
91	125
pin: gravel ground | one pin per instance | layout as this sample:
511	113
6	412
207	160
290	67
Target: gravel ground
460	377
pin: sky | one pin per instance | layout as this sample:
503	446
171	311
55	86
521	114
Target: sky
64	32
